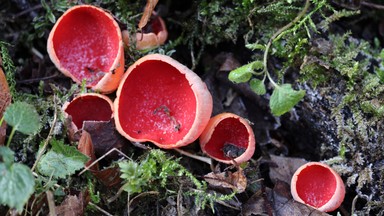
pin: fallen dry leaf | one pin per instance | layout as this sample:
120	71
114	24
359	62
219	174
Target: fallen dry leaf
282	168
86	147
5	100
277	201
71	206
236	181
151	4
284	204
109	176
104	137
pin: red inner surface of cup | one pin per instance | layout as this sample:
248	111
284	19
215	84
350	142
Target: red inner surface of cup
154	25
86	43
228	130
316	185
89	108
156	103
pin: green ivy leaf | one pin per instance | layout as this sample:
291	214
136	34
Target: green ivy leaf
257	86
283	98
61	161
241	74
244	73
16	182
22	117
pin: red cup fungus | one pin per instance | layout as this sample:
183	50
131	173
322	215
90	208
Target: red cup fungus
86	44
162	101
88	107
318	185
153	34
228	138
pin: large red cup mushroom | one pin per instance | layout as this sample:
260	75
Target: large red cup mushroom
86	44
228	138
319	186
162	101
88	107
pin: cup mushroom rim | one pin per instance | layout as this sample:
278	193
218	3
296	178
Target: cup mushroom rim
251	138
337	196
116	63
203	98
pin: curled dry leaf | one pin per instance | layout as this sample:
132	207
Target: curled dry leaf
98	137
109	176
236	181
282	168
5	100
283	204
86	147
104	137
151	4
71	206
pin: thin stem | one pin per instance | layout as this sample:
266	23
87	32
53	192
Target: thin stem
11	136
46	142
1	121
200	158
281	30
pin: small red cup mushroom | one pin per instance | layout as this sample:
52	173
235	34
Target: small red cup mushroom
318	185
153	34
88	107
86	44
228	138
162	101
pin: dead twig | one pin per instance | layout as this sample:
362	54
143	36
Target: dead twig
100	158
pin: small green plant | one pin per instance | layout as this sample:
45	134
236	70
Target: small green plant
16	180
61	160
284	97
156	169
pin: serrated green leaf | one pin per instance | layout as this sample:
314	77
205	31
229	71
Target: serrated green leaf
283	98
23	117
257	86
241	74
244	73
16	185
61	161
7	155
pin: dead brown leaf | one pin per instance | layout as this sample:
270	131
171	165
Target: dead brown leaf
282	168
151	4
284	204
104	137
86	147
236	181
109	176
71	206
5	100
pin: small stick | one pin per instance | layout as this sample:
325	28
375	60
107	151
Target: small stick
51	203
100	209
100	158
200	158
